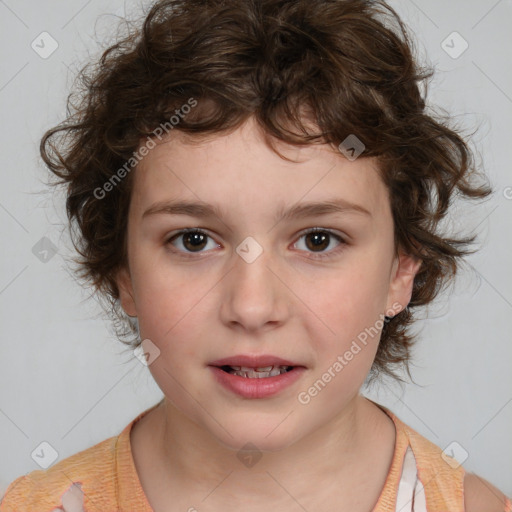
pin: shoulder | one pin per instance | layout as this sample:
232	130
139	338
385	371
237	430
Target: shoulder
92	469
481	496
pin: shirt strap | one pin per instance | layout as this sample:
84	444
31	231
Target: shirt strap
411	494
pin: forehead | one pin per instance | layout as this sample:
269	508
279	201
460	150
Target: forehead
241	170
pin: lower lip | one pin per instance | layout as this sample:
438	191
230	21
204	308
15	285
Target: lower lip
257	388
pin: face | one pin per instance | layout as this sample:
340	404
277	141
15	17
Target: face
310	287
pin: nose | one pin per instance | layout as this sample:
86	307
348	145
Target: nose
255	296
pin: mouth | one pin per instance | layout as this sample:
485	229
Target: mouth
251	376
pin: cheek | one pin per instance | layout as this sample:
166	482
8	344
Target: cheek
171	306
347	301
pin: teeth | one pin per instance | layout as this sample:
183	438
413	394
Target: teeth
260	369
258	373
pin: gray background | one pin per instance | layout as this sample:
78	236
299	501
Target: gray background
65	380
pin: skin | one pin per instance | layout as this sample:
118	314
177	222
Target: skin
287	303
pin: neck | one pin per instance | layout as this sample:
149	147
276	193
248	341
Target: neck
340	455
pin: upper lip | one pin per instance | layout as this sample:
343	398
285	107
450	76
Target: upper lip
253	361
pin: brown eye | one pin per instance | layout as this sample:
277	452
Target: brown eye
192	241
319	240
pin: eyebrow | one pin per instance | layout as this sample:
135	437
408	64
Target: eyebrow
201	209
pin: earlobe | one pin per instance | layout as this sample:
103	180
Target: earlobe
124	283
405	268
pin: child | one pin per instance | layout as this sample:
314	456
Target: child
257	186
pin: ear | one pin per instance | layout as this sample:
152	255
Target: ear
405	268
126	296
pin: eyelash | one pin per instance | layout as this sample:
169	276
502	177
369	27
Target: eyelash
322	255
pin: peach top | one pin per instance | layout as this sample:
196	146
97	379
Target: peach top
421	478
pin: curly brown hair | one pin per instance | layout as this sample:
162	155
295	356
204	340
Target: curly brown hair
348	63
